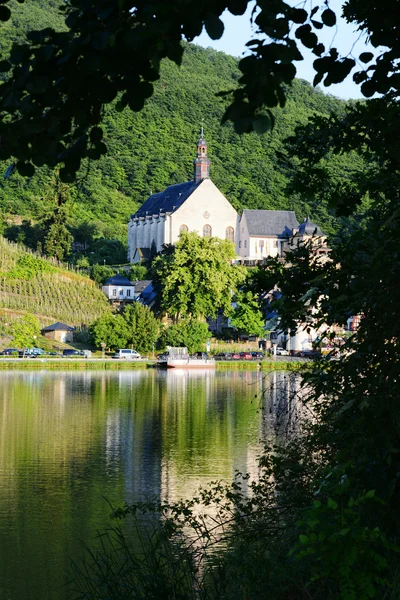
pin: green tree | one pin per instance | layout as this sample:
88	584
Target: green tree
189	332
25	331
247	316
196	277
112	330
143	327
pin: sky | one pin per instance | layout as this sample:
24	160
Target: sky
238	31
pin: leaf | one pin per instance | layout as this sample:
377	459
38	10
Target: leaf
5	13
262	124
370	494
303	539
332	504
328	18
25	169
368	88
96	135
5	66
366	57
317	24
214	26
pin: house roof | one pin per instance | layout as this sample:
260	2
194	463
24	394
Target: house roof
309	228
140	286
58	327
278	223
118	280
167	201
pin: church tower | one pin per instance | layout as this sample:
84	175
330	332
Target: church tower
201	162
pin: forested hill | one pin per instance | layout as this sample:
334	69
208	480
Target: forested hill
155	148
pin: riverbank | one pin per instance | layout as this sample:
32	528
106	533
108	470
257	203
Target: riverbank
64	364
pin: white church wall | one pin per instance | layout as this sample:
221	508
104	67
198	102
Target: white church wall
205	206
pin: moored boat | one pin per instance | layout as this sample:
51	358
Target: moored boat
179	358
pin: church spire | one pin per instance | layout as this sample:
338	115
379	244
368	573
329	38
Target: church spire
201	162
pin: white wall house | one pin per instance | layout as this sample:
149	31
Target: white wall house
119	288
263	233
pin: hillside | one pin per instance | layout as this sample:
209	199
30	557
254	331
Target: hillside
150	150
36	285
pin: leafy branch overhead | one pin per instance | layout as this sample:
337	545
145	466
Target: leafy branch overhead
57	85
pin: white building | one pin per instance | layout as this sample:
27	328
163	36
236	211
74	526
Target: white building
263	233
196	205
118	288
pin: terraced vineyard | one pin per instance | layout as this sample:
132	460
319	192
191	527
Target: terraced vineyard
33	284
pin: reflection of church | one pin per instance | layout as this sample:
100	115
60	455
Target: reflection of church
199	206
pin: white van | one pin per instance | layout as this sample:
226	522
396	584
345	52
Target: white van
127	354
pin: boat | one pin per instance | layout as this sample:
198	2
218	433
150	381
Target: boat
179	358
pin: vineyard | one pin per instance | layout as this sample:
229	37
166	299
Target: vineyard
46	288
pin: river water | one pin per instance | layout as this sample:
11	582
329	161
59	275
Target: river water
71	442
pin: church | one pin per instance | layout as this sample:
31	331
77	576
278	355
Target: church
199	206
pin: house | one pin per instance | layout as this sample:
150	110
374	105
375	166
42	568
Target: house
118	288
59	332
263	233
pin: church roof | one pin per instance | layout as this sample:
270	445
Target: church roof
309	228
167	201
118	280
270	222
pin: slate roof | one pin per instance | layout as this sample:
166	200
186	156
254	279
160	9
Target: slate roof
309	228
270	222
118	280
167	201
141	285
58	327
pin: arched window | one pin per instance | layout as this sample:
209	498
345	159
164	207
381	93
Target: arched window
230	234
183	229
207	231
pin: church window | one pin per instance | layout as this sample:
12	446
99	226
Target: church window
240	244
183	229
207	231
230	234
245	243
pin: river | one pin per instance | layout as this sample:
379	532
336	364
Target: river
71	442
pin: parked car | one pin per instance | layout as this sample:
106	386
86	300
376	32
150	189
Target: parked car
256	355
127	354
282	352
246	356
36	351
72	352
310	354
9	351
223	356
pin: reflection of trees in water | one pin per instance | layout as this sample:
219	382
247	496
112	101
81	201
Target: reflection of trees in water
281	401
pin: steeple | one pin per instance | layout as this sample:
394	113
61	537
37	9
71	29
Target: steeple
201	162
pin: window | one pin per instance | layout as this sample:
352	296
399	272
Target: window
245	243
121	292
230	234
114	292
128	292
240	244
183	229
207	231
261	243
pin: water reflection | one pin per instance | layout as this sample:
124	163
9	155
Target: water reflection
68	440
